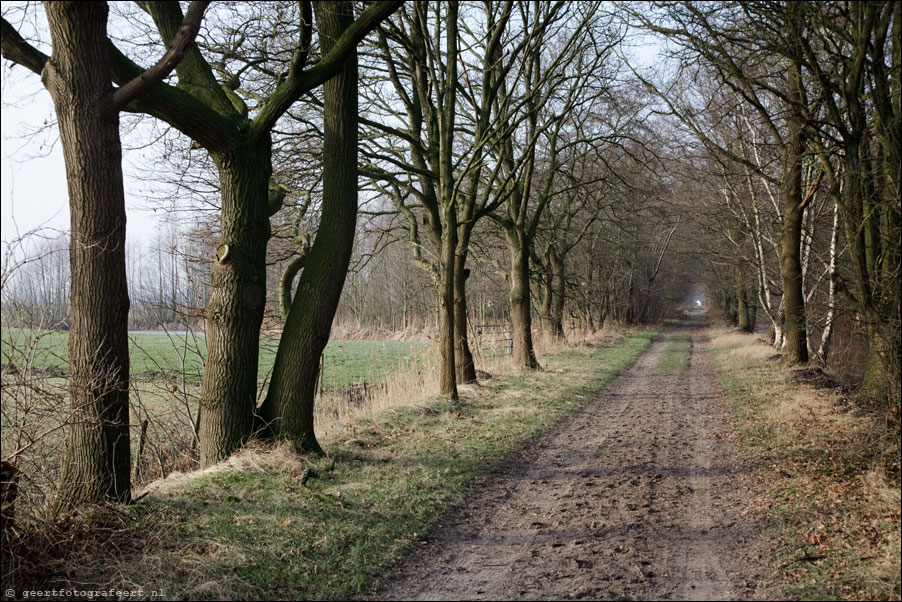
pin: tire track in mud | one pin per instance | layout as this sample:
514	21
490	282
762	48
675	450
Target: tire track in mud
642	494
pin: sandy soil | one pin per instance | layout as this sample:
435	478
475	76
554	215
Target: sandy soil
641	495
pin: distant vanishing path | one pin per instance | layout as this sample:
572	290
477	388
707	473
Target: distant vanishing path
640	495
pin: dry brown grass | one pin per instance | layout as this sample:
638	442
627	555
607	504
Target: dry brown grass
278	457
354	331
744	349
831	469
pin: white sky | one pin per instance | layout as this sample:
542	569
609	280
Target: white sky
33	175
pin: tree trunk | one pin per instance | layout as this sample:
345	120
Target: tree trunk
521	311
286	283
237	298
287	411
877	290
547	301
96	465
448	368
880	384
795	350
744	317
465	369
823	350
558	284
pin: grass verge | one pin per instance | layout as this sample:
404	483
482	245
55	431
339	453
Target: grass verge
274	525
832	474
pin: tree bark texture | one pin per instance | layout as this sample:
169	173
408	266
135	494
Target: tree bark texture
448	368
558	291
287	411
465	369
521	309
237	297
96	465
448	371
795	350
744	317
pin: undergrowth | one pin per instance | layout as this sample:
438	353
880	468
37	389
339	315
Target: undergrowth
831	471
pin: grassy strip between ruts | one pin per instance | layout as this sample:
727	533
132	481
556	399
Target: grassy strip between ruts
675	357
275	525
831	474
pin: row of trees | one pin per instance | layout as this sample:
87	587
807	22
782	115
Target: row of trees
796	109
80	74
500	110
506	155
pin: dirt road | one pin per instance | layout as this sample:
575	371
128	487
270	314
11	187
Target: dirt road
641	495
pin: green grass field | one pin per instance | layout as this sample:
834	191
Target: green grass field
174	355
165	387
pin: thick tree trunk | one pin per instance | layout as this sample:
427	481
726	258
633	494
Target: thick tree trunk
96	465
465	369
795	350
287	411
448	367
881	378
521	310
237	298
877	290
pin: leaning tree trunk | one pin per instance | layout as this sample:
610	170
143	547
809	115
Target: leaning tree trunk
234	311
96	465
287	411
521	310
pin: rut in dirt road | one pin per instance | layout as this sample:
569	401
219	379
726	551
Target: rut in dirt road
640	495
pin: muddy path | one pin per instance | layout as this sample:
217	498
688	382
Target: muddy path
643	494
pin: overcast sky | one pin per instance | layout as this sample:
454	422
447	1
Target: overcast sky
33	177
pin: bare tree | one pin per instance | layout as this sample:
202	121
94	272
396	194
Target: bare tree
287	411
216	117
